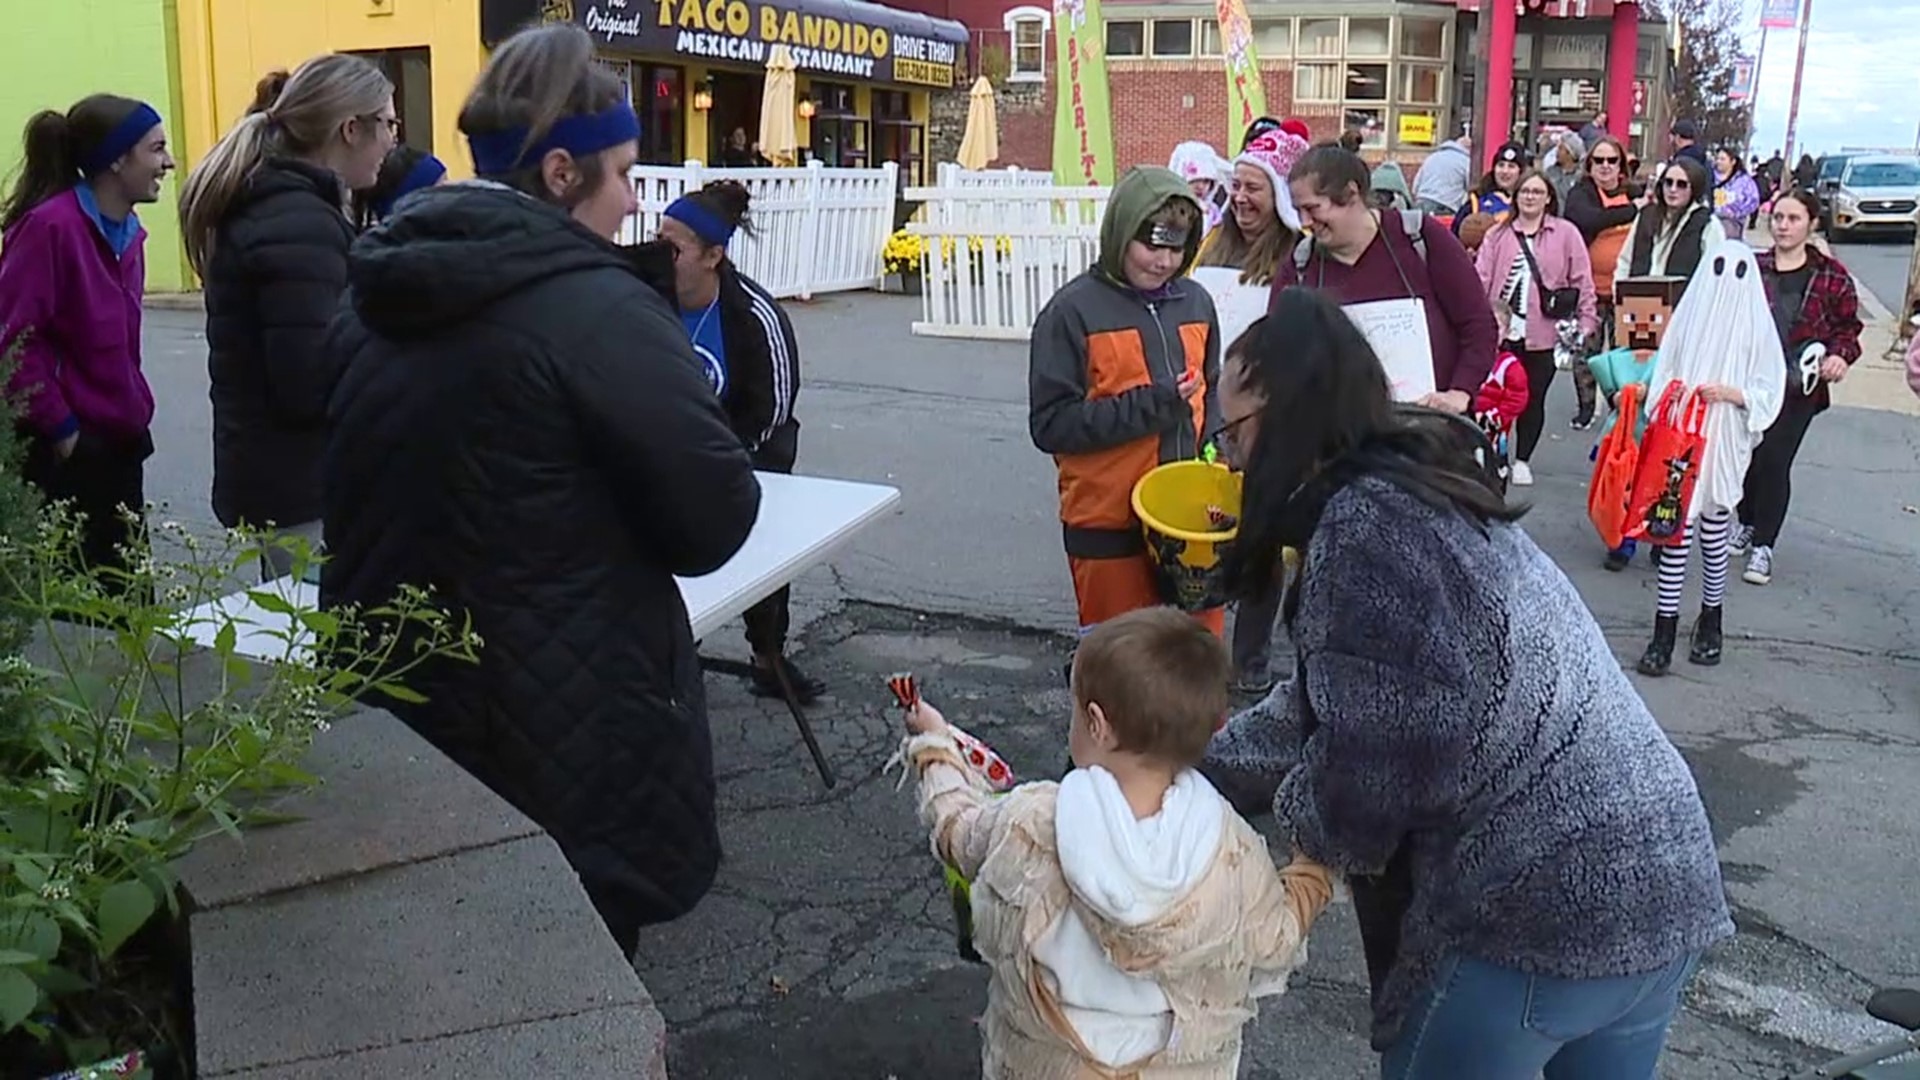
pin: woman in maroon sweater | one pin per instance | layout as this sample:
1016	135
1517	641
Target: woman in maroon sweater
1358	254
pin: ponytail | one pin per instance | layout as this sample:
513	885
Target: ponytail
59	149
296	114
47	167
212	185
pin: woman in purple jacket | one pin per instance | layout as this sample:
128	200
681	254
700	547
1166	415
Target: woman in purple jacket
72	278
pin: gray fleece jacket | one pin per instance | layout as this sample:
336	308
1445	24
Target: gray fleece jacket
1460	740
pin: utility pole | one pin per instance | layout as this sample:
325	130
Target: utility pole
1799	69
1753	98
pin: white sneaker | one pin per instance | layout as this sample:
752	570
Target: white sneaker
1742	540
1522	474
1759	567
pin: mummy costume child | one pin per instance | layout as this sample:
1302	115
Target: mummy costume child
1723	346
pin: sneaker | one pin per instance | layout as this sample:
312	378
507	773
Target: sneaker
1582	420
1759	567
1618	559
1742	540
1522	474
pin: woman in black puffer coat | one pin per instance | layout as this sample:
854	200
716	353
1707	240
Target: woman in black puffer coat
265	219
522	427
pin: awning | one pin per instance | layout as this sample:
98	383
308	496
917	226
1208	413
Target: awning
848	39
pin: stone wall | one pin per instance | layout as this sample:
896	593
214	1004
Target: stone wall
409	923
946	125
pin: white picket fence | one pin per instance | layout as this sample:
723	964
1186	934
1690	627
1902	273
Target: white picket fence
994	254
815	229
950	175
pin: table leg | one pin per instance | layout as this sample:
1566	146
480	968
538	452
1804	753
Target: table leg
746	671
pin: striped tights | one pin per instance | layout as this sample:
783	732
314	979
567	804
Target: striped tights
1715	533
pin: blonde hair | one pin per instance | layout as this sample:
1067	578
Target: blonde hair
536	78
293	115
1257	261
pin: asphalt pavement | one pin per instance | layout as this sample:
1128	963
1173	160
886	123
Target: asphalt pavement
1881	264
826	949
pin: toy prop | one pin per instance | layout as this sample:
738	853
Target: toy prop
989	766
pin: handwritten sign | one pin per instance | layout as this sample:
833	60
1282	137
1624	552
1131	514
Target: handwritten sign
1235	305
1397	330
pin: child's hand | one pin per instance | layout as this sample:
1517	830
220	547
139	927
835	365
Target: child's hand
924	719
1188	386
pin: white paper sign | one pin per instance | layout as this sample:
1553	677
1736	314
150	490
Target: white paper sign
1397	330
1236	305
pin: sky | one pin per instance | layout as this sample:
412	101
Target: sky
1862	82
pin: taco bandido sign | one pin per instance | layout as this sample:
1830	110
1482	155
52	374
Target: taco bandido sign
846	39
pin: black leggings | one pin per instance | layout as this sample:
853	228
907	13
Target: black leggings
768	621
1770	476
1540	373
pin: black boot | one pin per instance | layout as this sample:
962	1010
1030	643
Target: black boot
1707	638
1659	655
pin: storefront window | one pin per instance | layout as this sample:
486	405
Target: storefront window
839	133
1367	82
1420	84
1646	60
1172	38
899	139
659	98
1369	37
1317	82
1126	38
1319	37
411	72
1423	39
1371	124
1417	127
1273	38
1210	38
1523	52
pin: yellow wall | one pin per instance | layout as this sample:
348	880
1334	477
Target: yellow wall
225	46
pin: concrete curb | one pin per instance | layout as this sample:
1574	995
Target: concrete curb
175	301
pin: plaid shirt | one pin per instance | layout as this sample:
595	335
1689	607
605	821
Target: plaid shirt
1830	314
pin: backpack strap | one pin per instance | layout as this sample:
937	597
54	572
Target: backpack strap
1411	222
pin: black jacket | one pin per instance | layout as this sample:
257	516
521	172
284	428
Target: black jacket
1584	209
522	427
278	267
763	359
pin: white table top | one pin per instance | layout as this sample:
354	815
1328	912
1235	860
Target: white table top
804	521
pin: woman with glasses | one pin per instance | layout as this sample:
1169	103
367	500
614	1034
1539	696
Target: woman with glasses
1674	229
1602	205
1817	312
265	220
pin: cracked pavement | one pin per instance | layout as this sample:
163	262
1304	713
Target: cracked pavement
827	949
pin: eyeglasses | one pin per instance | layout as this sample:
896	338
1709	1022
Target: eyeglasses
1597	160
1674	183
392	123
1224	439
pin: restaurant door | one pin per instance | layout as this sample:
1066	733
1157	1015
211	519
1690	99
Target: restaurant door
736	107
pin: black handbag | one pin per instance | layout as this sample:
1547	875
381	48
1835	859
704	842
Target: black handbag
1555	303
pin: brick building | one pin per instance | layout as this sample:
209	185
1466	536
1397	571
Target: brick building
1402	72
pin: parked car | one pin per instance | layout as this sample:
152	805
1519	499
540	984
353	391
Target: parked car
1875	193
1826	178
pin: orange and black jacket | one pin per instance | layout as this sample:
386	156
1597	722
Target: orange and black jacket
1104	366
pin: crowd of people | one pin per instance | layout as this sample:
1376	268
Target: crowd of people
465	387
432	377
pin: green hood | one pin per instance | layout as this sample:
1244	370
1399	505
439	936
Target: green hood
1145	189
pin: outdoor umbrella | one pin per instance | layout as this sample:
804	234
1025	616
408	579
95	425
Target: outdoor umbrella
777	139
981	143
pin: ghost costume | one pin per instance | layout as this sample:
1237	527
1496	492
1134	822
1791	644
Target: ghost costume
1722	333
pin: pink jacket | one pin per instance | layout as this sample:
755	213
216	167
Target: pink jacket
1913	363
1562	254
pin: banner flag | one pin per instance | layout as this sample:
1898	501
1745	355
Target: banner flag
1246	94
1082	120
1742	88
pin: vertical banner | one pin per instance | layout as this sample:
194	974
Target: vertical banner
1246	95
1082	120
1779	14
1742	87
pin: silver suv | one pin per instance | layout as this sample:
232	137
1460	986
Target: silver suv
1876	192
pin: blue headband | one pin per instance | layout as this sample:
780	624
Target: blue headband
705	224
425	173
125	136
498	153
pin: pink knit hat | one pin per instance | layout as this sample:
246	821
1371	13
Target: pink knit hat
1275	153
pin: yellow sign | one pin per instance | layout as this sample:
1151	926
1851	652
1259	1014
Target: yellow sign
1416	128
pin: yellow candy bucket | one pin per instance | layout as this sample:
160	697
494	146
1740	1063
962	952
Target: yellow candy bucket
1181	507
